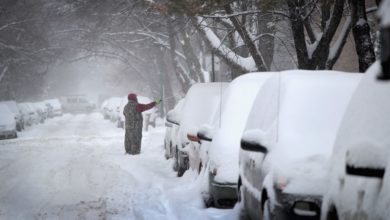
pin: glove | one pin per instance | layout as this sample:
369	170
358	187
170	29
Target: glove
158	101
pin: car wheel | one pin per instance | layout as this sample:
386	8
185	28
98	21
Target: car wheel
209	202
183	167
332	214
176	162
181	171
239	193
266	210
243	213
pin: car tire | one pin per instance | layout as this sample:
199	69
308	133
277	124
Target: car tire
176	161
243	214
266	211
183	167
332	214
181	171
209	202
239	192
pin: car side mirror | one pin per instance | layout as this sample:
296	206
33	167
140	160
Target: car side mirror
193	138
253	140
366	161
205	133
250	145
172	119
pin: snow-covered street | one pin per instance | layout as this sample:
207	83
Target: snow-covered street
74	167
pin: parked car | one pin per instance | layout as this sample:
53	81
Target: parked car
13	107
7	123
104	109
172	129
112	108
42	111
224	134
25	113
287	142
121	117
35	118
201	102
55	106
359	181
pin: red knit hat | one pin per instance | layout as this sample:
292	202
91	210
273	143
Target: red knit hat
132	97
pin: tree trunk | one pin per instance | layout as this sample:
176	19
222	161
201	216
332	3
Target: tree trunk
182	77
247	40
361	34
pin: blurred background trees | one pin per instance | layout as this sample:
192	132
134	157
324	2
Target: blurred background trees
165	46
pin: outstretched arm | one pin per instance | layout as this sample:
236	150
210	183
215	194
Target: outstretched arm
145	107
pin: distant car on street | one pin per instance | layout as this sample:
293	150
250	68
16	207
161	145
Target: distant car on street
7	123
77	104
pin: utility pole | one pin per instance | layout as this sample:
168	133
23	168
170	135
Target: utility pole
212	66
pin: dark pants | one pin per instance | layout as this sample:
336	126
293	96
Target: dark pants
133	139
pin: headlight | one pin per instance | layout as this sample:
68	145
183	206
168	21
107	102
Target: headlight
214	172
281	182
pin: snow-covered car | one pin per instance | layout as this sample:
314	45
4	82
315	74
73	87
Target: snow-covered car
14	108
287	141
201	102
149	116
171	132
34	117
224	133
104	109
112	108
77	104
121	117
25	113
7	123
55	106
42	111
359	181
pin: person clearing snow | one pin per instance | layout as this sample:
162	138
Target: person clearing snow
133	123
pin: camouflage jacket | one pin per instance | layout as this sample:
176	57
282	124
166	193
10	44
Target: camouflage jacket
133	113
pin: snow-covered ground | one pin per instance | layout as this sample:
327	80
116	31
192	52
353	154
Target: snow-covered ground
74	167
